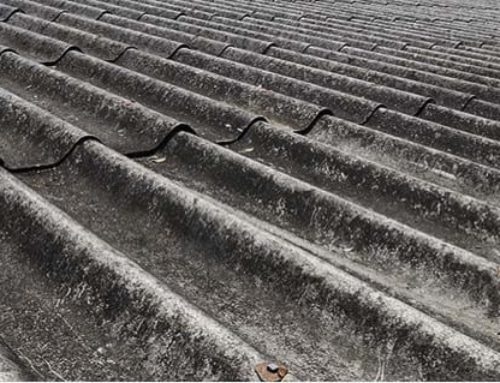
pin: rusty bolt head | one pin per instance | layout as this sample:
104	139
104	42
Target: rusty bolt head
271	372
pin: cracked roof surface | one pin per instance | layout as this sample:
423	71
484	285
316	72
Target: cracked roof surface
191	188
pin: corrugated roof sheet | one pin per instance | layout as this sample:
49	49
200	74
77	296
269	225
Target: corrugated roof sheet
191	188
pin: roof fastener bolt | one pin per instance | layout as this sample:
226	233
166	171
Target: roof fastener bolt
272	367
271	372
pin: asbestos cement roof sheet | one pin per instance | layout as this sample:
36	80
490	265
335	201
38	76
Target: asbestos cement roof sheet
192	190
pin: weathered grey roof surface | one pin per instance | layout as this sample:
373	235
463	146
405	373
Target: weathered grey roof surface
189	188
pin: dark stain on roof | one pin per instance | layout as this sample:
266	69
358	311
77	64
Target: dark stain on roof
192	190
